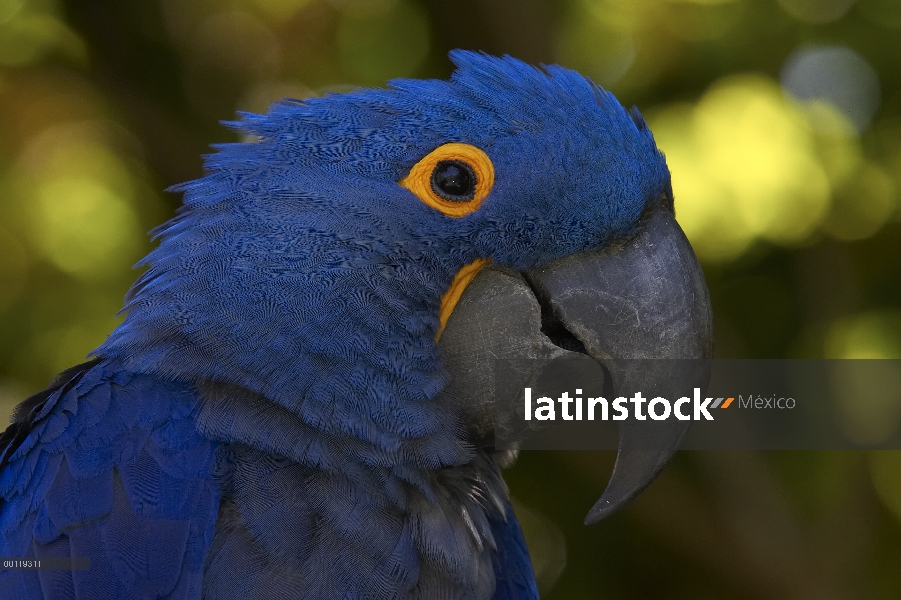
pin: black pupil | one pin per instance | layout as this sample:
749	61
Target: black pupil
454	180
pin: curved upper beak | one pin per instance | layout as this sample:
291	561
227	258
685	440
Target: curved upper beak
642	298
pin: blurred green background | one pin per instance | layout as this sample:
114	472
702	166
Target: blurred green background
781	122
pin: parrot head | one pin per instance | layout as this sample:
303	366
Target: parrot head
359	255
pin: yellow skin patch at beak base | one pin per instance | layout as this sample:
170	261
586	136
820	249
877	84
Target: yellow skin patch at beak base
450	298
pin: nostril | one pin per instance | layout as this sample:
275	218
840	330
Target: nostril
558	334
551	326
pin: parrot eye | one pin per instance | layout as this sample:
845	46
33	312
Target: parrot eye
453	178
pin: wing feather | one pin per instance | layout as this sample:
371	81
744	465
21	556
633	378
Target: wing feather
107	464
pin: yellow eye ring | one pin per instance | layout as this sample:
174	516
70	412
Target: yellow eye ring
454	178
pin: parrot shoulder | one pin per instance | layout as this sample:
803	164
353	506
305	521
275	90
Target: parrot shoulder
107	464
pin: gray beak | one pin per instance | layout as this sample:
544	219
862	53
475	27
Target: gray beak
643	298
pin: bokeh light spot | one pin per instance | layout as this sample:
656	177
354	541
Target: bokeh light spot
237	42
62	347
25	39
826	118
281	9
869	392
886	13
363	7
83	227
380	46
27	36
864	205
837	75
816	11
546	543
13	268
873	334
705	2
597	48
698	21
8	9
743	167
885	471
77	198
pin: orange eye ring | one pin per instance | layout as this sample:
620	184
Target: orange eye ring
475	163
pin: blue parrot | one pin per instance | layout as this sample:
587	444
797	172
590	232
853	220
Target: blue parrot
298	403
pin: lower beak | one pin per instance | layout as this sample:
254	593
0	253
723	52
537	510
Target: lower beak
643	298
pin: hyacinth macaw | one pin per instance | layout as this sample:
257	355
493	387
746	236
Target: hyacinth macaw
295	403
